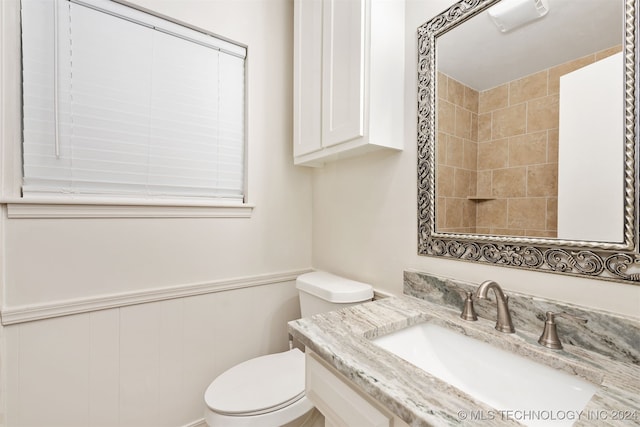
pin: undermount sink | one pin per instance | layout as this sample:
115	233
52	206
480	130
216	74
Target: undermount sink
521	389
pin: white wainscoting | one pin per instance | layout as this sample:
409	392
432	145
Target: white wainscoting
144	363
21	314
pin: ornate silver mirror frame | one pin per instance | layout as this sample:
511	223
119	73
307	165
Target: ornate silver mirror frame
606	261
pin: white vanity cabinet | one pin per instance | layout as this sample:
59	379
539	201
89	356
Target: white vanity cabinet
339	401
348	78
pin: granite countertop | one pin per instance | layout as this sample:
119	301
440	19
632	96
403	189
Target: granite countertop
342	338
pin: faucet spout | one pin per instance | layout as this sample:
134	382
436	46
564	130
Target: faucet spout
503	321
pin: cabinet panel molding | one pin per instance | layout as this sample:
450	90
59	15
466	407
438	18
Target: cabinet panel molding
340	404
343	50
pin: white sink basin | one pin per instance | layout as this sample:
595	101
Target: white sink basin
520	389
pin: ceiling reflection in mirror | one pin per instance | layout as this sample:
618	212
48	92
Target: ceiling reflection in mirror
533	137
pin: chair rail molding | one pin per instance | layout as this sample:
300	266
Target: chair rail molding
11	315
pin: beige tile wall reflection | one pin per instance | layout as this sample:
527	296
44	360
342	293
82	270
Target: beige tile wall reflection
457	154
497	154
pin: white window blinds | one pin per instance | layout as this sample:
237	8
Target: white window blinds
120	103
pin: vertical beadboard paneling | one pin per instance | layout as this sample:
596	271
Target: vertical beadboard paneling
234	340
54	373
12	369
200	345
104	369
172	395
286	307
139	364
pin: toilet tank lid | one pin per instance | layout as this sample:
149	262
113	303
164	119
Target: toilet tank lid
334	288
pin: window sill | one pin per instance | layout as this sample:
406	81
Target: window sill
113	208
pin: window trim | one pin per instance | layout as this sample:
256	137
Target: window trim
119	208
85	207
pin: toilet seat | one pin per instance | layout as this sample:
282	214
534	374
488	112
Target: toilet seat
258	386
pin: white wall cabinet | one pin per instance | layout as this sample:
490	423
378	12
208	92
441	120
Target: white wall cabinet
348	78
339	401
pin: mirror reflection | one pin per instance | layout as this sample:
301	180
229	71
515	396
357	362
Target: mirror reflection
530	122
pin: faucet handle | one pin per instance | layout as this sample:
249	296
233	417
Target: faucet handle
549	337
468	312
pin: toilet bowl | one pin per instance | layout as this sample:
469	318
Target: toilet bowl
265	391
268	391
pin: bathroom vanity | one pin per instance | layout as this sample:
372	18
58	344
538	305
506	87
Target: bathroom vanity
340	401
344	365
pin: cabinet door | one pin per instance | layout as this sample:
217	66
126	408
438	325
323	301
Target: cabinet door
343	70
307	85
340	404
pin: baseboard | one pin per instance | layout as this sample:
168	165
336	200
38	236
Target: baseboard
29	313
198	423
378	294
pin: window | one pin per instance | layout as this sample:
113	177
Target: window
119	103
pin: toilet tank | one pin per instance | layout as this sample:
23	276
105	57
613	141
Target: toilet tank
321	292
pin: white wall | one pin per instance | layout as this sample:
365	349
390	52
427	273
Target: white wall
78	258
365	217
148	364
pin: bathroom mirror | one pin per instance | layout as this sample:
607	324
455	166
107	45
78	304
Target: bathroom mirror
527	136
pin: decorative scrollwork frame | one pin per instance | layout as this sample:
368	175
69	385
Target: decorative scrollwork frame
606	261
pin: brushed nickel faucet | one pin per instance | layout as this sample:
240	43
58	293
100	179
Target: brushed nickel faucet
549	337
503	321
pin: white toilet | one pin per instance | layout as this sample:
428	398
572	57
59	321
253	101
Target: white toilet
268	391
